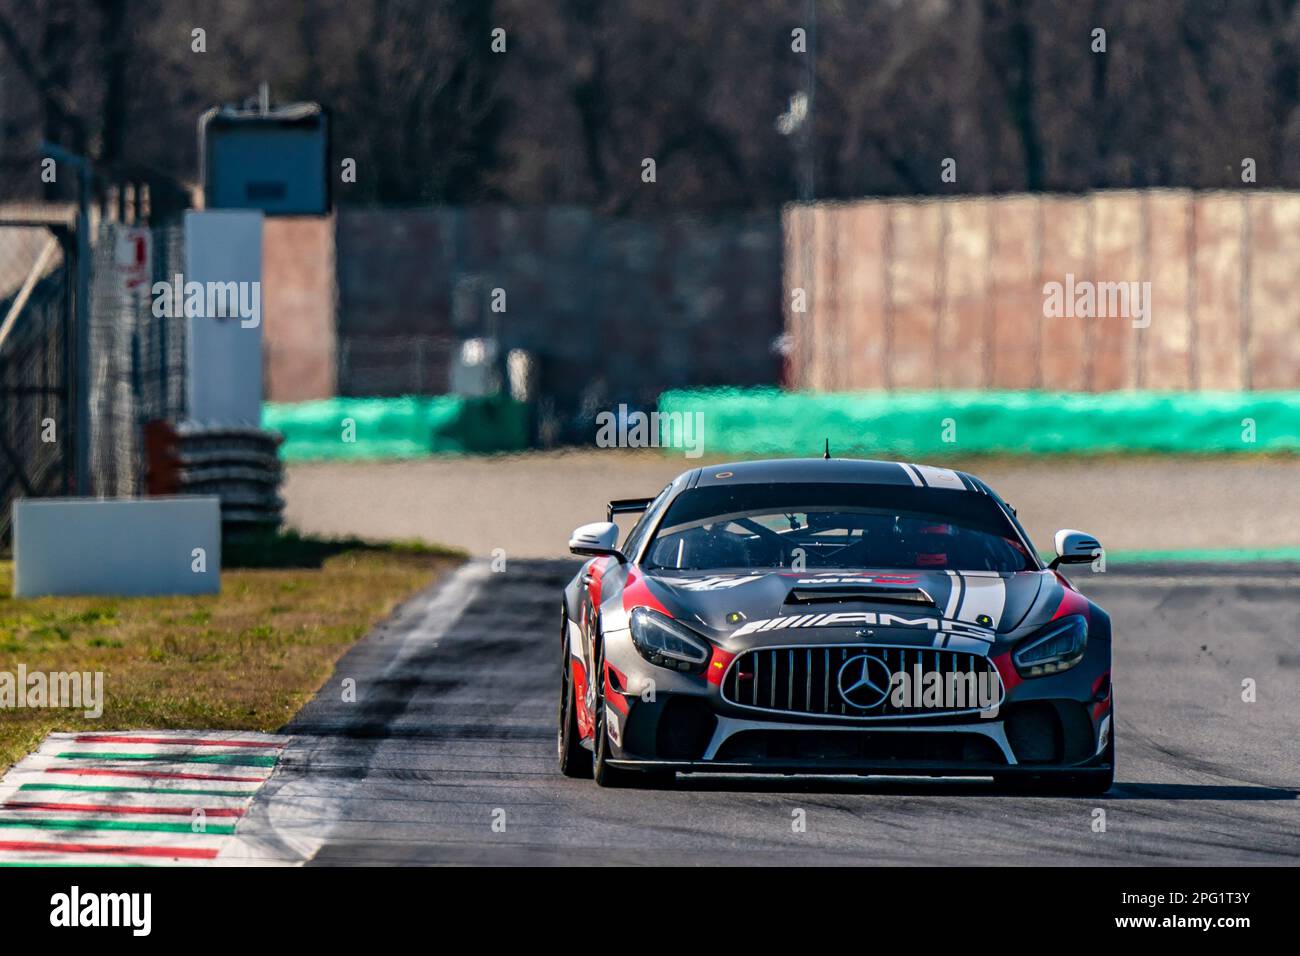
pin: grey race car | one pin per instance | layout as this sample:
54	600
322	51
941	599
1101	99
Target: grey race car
832	616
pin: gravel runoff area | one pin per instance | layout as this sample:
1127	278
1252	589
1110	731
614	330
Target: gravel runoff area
527	504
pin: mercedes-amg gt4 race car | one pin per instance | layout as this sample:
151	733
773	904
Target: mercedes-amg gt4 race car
832	616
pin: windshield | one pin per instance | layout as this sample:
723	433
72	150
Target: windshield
839	526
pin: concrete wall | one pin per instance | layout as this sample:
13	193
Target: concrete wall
949	293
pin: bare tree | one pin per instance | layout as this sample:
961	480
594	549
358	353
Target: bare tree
586	90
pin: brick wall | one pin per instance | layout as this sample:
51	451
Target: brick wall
949	293
298	330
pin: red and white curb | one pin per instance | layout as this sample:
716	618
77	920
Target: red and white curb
171	797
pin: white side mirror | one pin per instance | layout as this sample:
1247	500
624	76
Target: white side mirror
598	538
1075	547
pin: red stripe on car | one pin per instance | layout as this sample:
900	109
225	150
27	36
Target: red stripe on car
1007	670
596	575
718	665
1072	602
586	726
637	593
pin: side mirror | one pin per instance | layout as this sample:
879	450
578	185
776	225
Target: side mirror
599	538
1075	547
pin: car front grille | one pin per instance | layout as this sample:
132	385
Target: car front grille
807	680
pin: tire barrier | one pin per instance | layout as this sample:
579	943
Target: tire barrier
240	465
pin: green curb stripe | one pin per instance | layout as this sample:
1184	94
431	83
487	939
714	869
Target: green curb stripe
210	829
43	865
236	760
149	790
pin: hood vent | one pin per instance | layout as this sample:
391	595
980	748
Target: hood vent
857	593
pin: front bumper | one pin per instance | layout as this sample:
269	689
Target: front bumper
800	748
1055	724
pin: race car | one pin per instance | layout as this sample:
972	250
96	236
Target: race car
818	616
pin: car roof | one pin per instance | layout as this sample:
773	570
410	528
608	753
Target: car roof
842	470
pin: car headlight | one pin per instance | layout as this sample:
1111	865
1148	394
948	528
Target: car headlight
1058	648
665	643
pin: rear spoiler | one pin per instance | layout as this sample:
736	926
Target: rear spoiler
626	506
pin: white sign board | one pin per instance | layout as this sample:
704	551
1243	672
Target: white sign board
222	300
127	546
132	259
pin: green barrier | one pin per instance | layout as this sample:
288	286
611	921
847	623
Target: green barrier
769	421
408	427
1203	556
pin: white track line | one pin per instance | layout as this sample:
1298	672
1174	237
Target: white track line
290	821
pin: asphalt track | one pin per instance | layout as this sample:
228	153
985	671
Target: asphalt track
447	754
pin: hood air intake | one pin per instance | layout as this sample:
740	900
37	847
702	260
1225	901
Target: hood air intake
853	593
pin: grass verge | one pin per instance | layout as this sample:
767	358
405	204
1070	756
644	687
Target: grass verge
246	659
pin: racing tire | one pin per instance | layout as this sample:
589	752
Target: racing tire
574	759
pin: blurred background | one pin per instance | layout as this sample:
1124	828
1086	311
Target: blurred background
800	220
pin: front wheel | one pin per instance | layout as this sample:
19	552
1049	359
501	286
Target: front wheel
575	760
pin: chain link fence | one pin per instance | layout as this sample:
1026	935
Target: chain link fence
379	366
137	370
137	357
36	298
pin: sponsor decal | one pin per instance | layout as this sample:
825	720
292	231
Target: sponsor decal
612	726
858	579
719	582
858	619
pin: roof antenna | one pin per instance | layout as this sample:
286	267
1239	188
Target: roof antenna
827	455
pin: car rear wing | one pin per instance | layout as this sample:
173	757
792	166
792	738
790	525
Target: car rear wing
626	506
